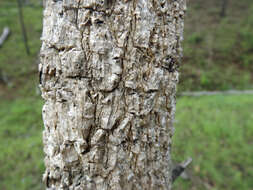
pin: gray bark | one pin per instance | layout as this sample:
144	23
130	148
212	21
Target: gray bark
108	74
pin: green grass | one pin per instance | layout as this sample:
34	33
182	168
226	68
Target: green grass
216	131
217	51
21	157
20	68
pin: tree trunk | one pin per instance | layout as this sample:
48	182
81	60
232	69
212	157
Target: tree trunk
224	5
108	74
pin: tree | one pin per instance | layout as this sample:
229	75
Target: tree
224	5
108	74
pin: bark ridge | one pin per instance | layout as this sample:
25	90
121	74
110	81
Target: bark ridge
108	74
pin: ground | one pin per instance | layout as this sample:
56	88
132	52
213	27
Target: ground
218	52
216	131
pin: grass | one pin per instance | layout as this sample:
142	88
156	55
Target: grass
21	157
15	64
217	51
216	131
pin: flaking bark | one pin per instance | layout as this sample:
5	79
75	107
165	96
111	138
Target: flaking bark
108	74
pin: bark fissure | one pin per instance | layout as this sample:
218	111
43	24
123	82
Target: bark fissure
108	74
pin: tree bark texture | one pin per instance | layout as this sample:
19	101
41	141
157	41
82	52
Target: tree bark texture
108	75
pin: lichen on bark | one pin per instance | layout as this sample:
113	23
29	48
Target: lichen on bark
109	70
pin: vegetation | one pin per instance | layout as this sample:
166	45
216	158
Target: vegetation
16	66
21	157
216	130
218	51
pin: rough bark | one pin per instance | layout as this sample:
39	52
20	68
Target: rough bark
108	74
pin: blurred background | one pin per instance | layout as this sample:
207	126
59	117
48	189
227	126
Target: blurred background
216	131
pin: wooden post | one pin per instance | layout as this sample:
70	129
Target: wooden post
23	27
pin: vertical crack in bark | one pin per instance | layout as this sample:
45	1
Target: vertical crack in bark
108	74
